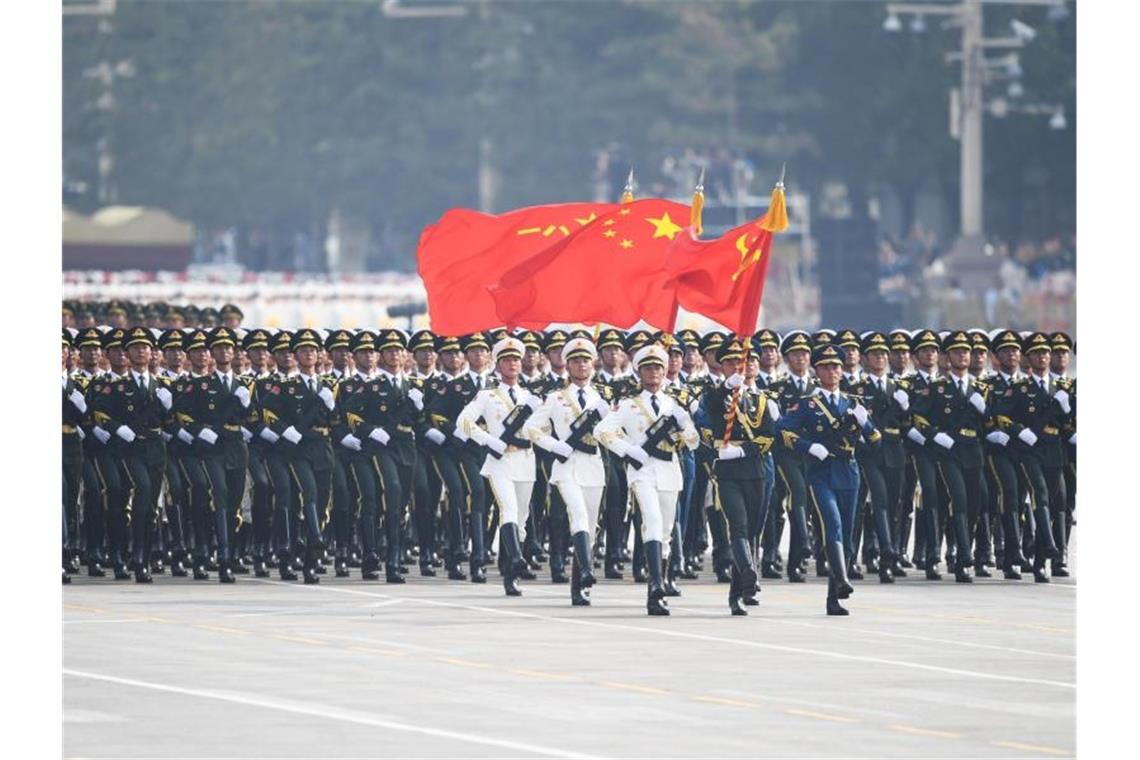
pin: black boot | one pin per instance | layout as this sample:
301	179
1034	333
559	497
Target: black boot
225	572
341	564
833	605
577	598
795	568
285	566
178	564
655	587
745	577
584	567
94	569
834	550
370	567
200	572
735	605
260	569
510	556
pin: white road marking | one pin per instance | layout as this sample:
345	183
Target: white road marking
642	630
331	713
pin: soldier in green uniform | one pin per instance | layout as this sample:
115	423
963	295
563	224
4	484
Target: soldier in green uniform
274	401
112	485
1062	349
74	409
255	343
924	348
610	346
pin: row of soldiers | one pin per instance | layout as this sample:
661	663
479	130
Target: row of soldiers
242	451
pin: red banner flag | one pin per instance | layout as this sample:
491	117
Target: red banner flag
612	272
724	279
465	252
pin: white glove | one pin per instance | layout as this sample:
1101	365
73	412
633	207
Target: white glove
903	400
978	402
242	394
732	382
435	436
268	435
380	435
350	441
680	416
83	435
859	412
916	436
125	433
164	398
185	437
944	441
773	410
246	436
998	437
730	452
80	403
101	434
326	395
166	437
637	454
1063	399
819	451
291	435
207	435
601	406
534	402
417	397
562	449
496	445
1027	436
1072	438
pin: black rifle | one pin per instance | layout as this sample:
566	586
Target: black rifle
511	426
581	427
658	433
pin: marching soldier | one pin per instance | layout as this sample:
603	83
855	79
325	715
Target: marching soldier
255	343
789	461
428	487
702	487
113	490
74	409
577	473
927	542
1059	358
509	468
881	467
610	348
338	522
826	427
732	423
767	343
178	502
557	520
958	410
1002	464
645	431
274	403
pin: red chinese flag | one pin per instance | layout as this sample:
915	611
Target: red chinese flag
724	279
612	272
465	252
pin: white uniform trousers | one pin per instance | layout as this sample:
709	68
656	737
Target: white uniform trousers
582	504
658	508
513	498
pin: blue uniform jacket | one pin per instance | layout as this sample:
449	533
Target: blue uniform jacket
811	420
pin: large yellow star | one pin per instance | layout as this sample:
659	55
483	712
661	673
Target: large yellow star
586	220
664	227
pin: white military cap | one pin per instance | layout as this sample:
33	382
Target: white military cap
506	348
649	355
579	347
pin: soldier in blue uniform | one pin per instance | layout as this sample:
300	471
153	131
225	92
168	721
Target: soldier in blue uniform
826	427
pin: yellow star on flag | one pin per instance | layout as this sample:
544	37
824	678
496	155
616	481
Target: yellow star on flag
664	227
608	233
627	243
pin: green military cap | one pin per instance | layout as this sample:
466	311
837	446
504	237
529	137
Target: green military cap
730	349
979	341
170	339
828	353
116	308
305	338
671	344
924	339
421	339
157	309
114	338
256	338
68	338
1062	341
69	308
89	336
688	338
231	310
796	340
823	337
208	317
192	313
196	338
711	340
221	336
1036	341
611	337
873	340
448	343
530	340
956	339
848	338
363	340
766	339
282	341
391	338
581	333
475	340
899	340
499	333
554	339
337	339
636	339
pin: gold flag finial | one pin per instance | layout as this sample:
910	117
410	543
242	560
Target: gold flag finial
698	204
627	193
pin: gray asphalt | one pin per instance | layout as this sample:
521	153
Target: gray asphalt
354	669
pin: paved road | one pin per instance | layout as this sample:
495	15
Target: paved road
349	669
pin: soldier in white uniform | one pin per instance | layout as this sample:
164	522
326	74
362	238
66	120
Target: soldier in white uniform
564	426
505	406
645	430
